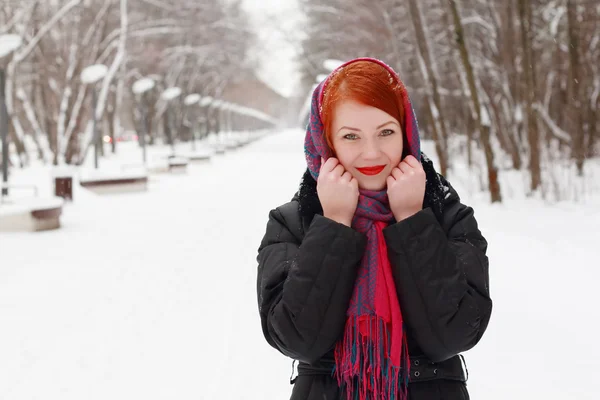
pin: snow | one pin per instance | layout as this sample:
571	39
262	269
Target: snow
199	153
331	64
305	110
153	295
63	171
104	173
560	11
171	93
205	101
178	160
434	110
485	117
143	85
21	205
321	77
556	130
519	113
93	73
191	99
9	43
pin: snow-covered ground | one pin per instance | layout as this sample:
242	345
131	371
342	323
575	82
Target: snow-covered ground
153	295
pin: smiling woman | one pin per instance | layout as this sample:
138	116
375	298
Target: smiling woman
363	120
375	275
367	141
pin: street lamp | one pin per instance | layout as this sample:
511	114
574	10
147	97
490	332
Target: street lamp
90	76
140	88
8	44
205	102
189	101
170	94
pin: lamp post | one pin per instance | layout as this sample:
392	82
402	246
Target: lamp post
216	105
140	88
190	101
225	112
8	44
205	102
90	76
170	94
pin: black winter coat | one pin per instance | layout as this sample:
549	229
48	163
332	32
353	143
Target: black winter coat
308	265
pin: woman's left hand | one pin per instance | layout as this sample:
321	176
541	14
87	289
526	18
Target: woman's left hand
406	188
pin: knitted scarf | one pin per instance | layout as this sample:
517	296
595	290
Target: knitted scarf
371	360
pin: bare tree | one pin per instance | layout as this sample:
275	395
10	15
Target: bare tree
520	76
197	45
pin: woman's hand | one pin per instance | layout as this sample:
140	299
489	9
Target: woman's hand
406	188
338	191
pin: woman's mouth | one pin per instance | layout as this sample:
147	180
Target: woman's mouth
371	170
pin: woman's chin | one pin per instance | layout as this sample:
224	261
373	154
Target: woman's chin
372	185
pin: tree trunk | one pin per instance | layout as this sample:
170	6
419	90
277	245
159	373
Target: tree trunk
110	117
438	143
167	127
532	127
593	131
575	94
431	78
510	37
484	131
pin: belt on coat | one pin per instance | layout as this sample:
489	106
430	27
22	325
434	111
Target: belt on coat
421	369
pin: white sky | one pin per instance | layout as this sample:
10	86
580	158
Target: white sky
276	22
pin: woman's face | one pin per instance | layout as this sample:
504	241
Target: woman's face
367	141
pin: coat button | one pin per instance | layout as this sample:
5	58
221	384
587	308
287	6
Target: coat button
435	371
417	362
417	374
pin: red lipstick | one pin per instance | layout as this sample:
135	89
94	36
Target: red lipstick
371	170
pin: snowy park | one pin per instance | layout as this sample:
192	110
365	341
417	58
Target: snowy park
144	143
153	295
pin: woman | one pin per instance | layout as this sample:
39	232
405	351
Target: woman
374	277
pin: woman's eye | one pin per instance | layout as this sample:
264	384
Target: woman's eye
351	136
387	132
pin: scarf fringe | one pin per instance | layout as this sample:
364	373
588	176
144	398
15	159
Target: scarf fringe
363	366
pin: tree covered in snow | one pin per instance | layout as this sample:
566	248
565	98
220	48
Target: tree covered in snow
196	45
517	80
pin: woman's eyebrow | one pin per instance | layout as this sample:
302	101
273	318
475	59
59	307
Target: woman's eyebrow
358	130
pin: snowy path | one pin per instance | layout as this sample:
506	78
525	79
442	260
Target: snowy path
152	296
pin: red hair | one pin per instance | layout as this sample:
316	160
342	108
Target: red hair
367	83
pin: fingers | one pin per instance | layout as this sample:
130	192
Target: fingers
329	165
406	168
397	173
412	161
346	177
338	171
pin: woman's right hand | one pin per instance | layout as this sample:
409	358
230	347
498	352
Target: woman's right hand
338	191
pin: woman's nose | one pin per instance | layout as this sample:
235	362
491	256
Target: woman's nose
371	150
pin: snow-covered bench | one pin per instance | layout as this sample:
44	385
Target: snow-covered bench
197	156
178	164
113	183
30	215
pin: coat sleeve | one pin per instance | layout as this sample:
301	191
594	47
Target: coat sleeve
441	275
304	288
